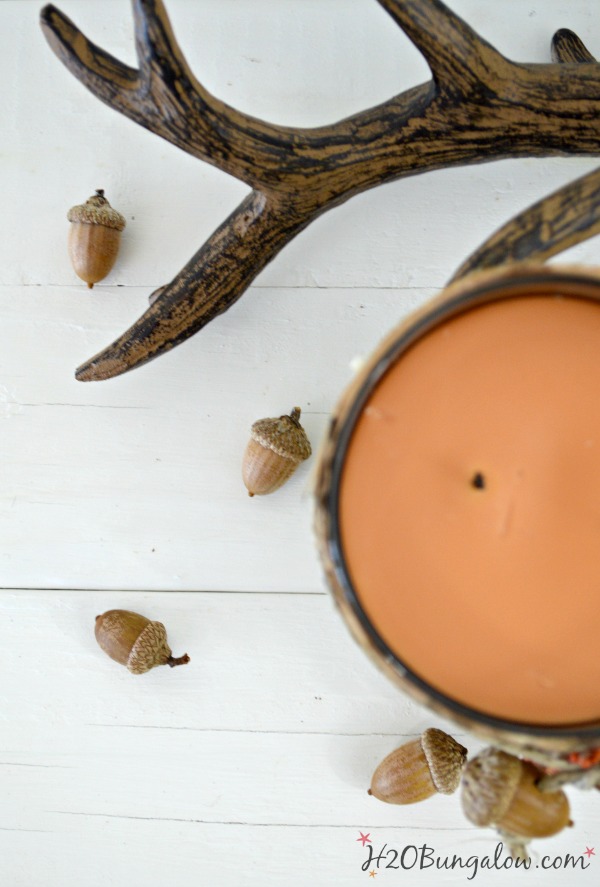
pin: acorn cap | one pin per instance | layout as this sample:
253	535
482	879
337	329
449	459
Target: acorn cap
284	436
150	649
446	759
97	211
489	784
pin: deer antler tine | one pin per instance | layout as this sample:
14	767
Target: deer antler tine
156	46
210	283
451	48
553	224
563	219
102	74
173	103
566	46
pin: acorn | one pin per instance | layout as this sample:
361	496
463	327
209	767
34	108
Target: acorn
135	641
275	449
420	768
94	237
501	790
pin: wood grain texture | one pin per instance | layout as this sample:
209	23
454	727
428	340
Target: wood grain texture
491	107
568	47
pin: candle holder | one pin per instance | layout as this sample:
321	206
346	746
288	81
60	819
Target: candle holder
508	265
547	744
543	755
556	752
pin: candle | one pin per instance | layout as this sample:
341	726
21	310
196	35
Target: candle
466	497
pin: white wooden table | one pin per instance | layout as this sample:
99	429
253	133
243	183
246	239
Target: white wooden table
249	766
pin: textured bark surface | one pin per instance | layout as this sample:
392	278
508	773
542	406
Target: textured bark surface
555	223
478	106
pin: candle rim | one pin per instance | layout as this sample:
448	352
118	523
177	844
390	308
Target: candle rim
478	289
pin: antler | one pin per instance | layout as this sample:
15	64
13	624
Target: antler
561	220
478	106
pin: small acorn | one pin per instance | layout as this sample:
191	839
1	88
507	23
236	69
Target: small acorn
275	449
499	789
94	237
420	768
135	641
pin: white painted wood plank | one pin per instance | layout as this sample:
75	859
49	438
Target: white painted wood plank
296	62
136	482
179	801
255	778
279	663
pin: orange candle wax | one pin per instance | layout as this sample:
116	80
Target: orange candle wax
469	509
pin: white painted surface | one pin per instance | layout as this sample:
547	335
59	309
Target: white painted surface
250	765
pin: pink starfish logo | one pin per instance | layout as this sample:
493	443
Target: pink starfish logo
589	851
366	839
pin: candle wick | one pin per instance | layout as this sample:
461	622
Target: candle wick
478	481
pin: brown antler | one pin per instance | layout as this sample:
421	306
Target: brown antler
555	223
564	218
478	106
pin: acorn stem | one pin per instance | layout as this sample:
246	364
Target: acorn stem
295	414
172	661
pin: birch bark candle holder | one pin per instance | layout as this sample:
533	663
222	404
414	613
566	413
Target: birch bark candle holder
458	507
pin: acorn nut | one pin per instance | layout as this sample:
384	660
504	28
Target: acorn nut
499	789
275	449
420	768
135	641
94	237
